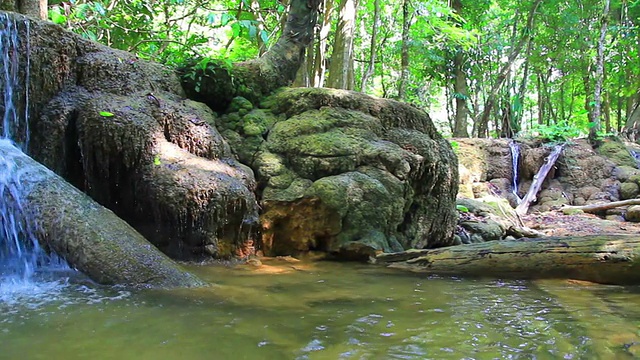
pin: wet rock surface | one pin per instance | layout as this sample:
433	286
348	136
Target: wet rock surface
121	130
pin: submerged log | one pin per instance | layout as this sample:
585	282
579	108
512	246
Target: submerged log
89	236
606	259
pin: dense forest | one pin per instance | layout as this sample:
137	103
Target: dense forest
480	68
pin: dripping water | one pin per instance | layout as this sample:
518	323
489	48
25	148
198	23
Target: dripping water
25	267
636	157
515	156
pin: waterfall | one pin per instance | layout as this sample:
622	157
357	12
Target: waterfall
21	255
515	156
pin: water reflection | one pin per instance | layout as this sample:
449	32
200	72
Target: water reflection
331	311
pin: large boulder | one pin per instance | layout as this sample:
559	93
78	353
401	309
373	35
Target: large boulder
121	130
345	173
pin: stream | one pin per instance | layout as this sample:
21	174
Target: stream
322	310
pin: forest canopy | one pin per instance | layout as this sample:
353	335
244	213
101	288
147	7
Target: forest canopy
480	68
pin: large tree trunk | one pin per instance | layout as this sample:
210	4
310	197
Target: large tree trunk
89	236
341	66
607	259
33	8
216	82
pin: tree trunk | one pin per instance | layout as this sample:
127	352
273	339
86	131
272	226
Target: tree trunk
404	52
216	83
607	259
460	92
89	236
597	96
320	62
502	74
33	8
341	65
372	47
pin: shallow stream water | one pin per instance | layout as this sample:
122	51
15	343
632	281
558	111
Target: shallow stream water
322	310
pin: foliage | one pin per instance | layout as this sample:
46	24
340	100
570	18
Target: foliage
174	31
560	132
548	90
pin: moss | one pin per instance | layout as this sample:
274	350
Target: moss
239	103
258	122
571	211
629	190
617	152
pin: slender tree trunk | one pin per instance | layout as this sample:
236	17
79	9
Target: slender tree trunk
320	61
597	96
460	92
404	52
341	66
502	74
372	48
540	99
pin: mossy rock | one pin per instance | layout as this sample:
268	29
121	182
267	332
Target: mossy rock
617	152
376	168
629	190
258	122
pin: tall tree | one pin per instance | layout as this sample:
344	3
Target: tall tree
597	93
407	17
372	47
341	74
483	120
460	84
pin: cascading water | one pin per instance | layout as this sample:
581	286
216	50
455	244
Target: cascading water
21	255
515	156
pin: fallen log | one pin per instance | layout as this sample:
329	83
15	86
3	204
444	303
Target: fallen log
89	236
595	208
606	259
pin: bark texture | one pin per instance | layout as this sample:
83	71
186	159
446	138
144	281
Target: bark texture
613	259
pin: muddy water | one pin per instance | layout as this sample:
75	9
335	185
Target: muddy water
285	310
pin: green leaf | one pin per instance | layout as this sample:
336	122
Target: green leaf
56	16
106	114
462	208
156	161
